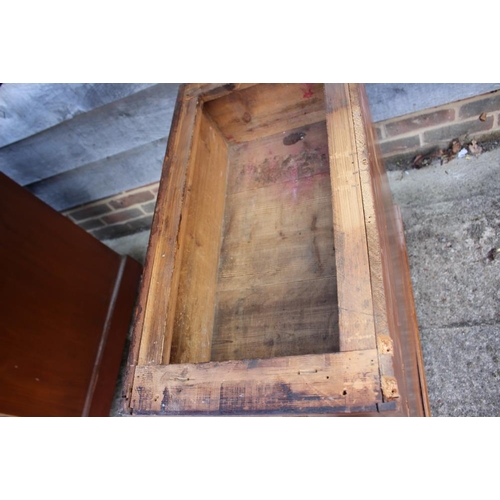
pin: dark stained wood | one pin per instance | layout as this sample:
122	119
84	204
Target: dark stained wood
119	317
55	295
411	349
267	109
323	383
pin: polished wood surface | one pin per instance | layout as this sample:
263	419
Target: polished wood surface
61	334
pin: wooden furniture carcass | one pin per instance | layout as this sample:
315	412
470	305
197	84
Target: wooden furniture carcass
66	302
276	279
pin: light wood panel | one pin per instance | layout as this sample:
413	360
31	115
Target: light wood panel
160	279
276	291
283	319
267	109
200	241
357	330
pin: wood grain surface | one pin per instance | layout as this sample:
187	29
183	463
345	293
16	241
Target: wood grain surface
200	239
267	109
65	311
276	291
313	384
356	324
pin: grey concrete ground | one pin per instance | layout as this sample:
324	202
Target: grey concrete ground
134	245
451	215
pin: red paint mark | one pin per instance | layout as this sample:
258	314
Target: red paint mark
307	90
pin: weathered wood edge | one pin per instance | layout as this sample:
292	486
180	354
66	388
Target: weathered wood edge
110	353
325	383
356	325
168	218
139	312
189	97
411	316
210	91
402	329
374	225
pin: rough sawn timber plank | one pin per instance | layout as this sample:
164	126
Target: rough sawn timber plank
311	384
356	325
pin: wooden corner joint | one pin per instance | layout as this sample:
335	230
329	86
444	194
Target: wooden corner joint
385	344
390	388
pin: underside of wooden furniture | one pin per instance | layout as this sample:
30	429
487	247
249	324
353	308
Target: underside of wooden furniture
66	303
276	279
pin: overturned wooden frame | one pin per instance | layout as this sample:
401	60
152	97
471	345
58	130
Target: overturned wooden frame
187	357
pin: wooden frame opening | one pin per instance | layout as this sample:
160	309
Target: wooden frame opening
266	289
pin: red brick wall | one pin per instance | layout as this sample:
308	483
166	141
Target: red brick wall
437	127
125	213
132	211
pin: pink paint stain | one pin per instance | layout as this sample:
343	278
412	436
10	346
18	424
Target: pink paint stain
307	91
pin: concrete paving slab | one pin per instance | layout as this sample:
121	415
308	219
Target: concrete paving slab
463	370
448	243
451	215
134	245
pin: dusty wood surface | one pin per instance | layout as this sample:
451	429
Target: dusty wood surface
356	324
200	240
267	109
210	91
163	244
375	233
325	383
280	266
276	292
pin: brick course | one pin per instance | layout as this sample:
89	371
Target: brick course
457	130
475	108
119	215
401	127
149	208
399	145
131	211
118	230
132	199
439	126
90	211
122	215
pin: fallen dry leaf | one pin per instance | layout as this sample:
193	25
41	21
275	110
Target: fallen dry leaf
475	149
455	147
482	117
